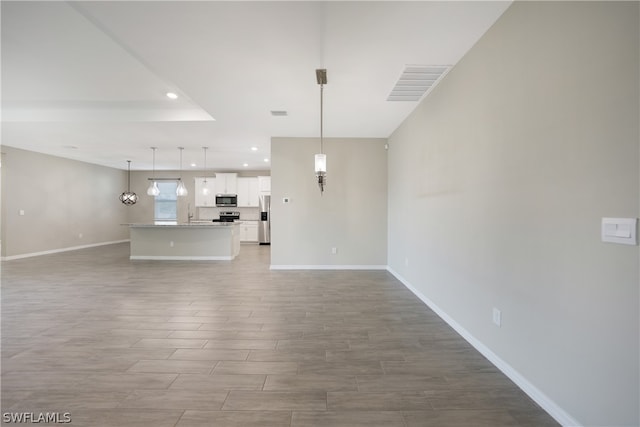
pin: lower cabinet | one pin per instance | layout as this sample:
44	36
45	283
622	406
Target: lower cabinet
249	231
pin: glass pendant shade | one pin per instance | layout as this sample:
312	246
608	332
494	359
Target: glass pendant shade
321	171
321	163
153	189
181	190
205	188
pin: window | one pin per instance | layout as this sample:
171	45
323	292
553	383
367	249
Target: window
166	203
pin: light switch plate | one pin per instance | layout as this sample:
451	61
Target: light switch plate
497	317
619	230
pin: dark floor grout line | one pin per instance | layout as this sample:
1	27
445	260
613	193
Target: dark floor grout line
179	418
225	400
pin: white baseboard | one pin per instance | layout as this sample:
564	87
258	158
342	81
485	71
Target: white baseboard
328	267
55	251
559	414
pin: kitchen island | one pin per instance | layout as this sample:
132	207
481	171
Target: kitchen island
199	241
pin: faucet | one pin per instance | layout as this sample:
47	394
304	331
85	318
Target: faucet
189	214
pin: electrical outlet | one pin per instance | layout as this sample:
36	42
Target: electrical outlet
497	317
171	244
406	262
79	235
21	212
334	251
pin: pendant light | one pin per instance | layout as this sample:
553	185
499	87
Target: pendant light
153	189
321	159
205	187
181	190
128	197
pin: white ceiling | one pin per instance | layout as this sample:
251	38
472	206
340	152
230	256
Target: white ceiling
87	80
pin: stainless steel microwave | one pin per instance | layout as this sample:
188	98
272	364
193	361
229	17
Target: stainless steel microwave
226	200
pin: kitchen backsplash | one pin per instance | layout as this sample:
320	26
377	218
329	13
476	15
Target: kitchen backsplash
247	214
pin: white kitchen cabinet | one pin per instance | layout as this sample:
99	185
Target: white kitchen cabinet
226	183
264	185
205	200
249	231
247	192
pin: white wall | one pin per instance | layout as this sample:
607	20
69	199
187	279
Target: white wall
497	185
61	199
351	215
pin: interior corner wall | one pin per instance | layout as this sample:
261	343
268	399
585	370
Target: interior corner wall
66	203
497	185
350	216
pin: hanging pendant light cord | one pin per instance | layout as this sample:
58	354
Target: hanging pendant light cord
321	118
205	163
154	162
129	177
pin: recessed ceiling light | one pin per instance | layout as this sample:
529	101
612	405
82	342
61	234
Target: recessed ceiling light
172	95
266	160
254	148
193	165
245	165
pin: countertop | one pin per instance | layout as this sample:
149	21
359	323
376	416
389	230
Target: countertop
203	224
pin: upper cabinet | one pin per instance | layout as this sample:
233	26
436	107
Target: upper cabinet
226	183
247	191
264	184
205	200
247	188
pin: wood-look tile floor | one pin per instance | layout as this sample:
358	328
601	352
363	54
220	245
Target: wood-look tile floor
121	343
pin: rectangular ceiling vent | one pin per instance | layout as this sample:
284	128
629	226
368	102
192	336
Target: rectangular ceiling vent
278	113
416	81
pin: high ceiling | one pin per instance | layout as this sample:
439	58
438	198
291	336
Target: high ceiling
88	80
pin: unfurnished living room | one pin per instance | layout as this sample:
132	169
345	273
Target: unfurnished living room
320	213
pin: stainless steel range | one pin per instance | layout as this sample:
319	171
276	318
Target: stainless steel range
228	216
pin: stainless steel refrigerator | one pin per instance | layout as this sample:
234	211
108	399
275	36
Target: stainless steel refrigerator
264	226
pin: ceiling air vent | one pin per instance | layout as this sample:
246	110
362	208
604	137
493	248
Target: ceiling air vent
417	80
278	113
